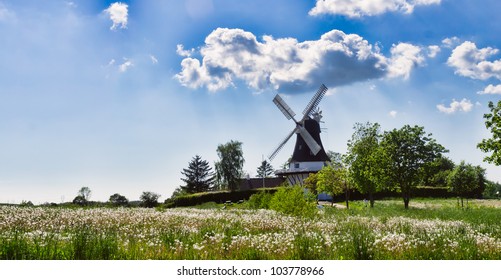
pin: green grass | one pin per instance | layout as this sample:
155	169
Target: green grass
430	229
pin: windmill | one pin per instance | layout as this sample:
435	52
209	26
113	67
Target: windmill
309	155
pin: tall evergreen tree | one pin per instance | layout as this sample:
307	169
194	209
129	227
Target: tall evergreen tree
198	176
265	169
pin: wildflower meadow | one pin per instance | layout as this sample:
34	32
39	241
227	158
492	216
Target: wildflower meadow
428	231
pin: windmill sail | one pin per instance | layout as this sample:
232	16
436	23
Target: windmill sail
308	139
286	110
314	101
275	152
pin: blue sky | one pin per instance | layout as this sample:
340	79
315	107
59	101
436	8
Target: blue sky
119	96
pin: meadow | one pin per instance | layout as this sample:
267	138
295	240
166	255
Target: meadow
430	229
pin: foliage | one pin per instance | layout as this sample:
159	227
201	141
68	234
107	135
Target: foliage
229	168
492	122
363	158
492	190
85	192
404	152
333	181
80	200
118	200
149	199
198	176
464	179
294	201
310	183
336	158
260	200
265	169
214	196
435	173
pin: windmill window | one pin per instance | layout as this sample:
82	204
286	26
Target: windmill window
296	165
300	147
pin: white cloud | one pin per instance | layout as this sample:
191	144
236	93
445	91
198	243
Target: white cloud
118	13
393	114
335	59
125	66
433	51
455	106
471	62
491	89
404	57
450	42
358	8
182	52
153	59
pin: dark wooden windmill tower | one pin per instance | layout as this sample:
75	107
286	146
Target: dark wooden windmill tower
309	155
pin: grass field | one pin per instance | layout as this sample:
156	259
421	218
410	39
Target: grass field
430	229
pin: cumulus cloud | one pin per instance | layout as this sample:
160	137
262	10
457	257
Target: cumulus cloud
433	50
404	57
393	114
357	8
491	89
289	65
471	62
182	52
118	13
455	106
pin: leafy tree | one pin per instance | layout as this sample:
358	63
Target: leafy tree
118	200
229	168
198	176
85	192
334	181
79	200
83	196
310	183
463	180
436	172
404	152
364	160
149	199
265	169
492	122
492	190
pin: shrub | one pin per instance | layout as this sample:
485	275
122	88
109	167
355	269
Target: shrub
260	200
294	201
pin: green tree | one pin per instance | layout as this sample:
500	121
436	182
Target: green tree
198	176
404	152
149	199
493	122
363	157
229	168
436	172
118	200
83	196
265	169
463	179
334	181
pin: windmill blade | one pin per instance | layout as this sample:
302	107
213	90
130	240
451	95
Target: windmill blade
272	155
312	144
314	101
286	110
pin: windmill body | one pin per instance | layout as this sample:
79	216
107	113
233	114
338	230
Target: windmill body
309	155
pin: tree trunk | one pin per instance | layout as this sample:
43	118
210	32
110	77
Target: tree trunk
371	199
406	202
347	196
462	206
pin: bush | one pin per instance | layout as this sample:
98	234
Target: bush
294	201
260	200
